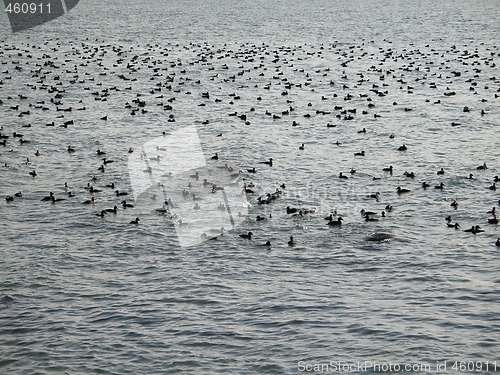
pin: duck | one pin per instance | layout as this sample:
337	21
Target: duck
366	213
498	242
113	210
136	221
291	210
215	157
450	225
292	242
9	198
19	194
301	147
267	244
402	191
388	169
106	161
439	187
99	152
127	205
425	185
493	187
474	229
454	204
71	149
33	173
89	201
482	167
493	221
342	176
48	198
402	148
361	153
270	162
247	236
120	193
335	223
440	172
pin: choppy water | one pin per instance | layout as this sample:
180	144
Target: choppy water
84	294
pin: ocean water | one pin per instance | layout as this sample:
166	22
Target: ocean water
85	294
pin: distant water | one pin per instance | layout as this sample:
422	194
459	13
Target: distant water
84	294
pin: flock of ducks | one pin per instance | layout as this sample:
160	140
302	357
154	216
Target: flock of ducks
47	73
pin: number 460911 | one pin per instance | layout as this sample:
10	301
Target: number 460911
25	8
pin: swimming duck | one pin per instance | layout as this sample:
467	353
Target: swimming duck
127	205
71	149
389	169
270	162
440	186
89	201
402	148
493	221
136	221
474	229
215	157
106	161
120	193
402	191
292	242
342	176
267	244
9	198
33	173
440	172
113	210
362	153
454	204
498	242
450	225
493	187
335	223
425	185
247	236
291	210
48	198
19	194
302	147
482	167
99	152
